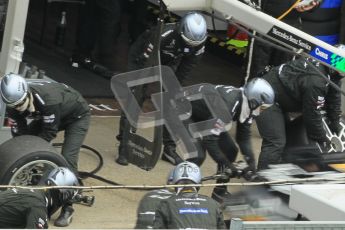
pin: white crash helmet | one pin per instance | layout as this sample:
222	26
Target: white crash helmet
193	29
14	89
259	92
63	176
186	171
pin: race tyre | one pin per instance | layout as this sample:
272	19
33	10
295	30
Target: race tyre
24	159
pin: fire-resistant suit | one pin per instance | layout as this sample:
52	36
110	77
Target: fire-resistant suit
188	209
56	107
23	208
220	146
175	53
298	88
147	207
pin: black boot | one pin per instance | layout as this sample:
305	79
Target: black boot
225	198
221	194
170	155
65	217
122	157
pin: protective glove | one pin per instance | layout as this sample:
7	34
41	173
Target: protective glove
14	128
228	169
248	173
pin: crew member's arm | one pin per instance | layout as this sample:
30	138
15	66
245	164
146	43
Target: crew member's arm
161	217
217	153
220	219
243	139
19	126
144	48
188	62
313	102
51	116
333	106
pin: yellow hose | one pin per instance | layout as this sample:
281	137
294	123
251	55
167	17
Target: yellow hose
289	10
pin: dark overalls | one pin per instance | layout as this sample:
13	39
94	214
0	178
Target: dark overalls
23	208
57	107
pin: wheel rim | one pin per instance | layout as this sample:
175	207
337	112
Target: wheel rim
31	173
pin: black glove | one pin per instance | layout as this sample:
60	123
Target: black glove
228	169
335	127
14	129
248	173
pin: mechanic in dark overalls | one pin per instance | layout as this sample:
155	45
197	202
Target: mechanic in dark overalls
300	88
187	208
27	208
181	48
243	105
148	204
53	107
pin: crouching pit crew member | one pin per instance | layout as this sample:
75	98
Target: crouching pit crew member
148	204
28	208
52	107
299	88
187	208
243	104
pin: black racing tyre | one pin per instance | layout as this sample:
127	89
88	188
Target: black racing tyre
24	159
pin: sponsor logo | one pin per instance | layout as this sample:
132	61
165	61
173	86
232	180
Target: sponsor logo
191	203
193	199
318	52
193	211
289	38
322	54
138	150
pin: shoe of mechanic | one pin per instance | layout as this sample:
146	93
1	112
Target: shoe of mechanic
170	155
65	217
122	158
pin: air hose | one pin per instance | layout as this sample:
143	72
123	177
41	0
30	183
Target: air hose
92	174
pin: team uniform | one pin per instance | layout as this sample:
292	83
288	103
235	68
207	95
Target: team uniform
22	208
175	53
56	107
147	207
220	146
298	88
188	209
